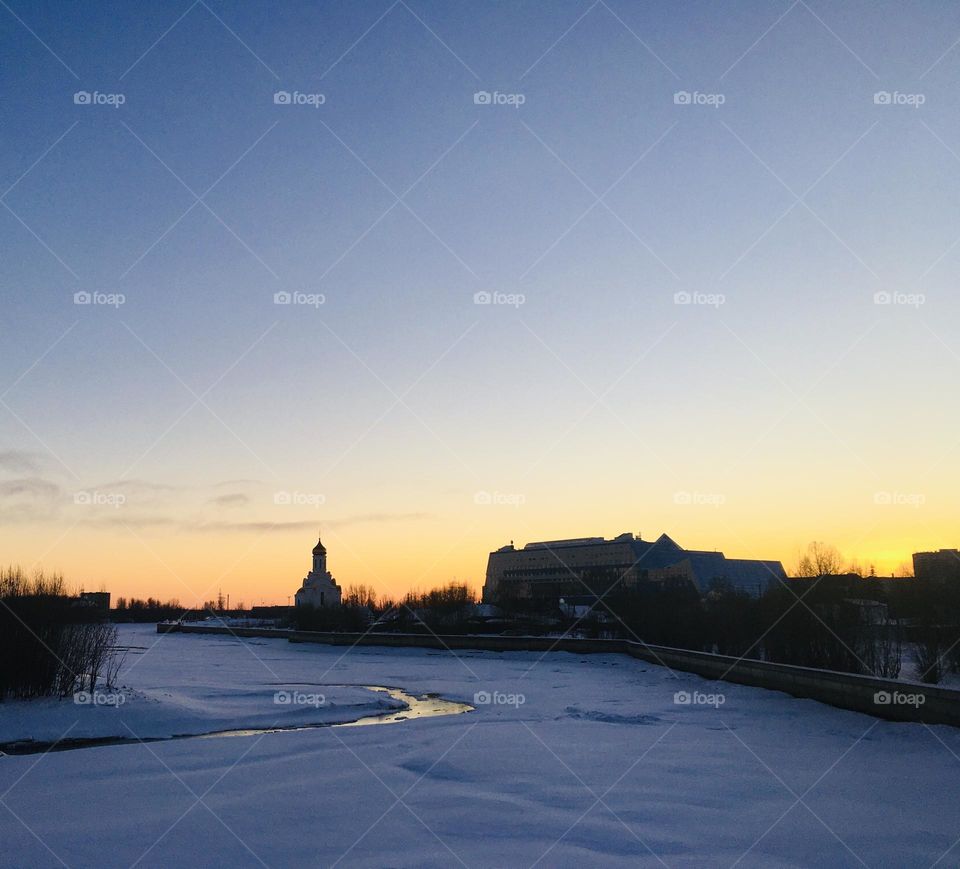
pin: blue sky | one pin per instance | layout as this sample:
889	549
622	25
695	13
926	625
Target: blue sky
784	210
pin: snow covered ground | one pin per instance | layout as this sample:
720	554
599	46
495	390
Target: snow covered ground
599	765
202	686
910	671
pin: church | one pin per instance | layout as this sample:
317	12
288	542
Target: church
319	588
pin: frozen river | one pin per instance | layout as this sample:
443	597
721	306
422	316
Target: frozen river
565	760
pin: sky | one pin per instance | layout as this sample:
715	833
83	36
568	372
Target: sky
435	276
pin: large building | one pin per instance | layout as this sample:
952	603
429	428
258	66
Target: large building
319	588
940	566
591	565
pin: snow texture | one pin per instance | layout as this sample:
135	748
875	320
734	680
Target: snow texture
575	761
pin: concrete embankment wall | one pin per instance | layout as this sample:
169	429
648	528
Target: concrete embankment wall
905	701
177	628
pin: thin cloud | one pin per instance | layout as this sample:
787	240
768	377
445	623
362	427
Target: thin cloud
123	519
29	487
28	499
234	499
136	487
21	462
304	524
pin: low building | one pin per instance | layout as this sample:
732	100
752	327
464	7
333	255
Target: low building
940	566
97	603
319	588
580	606
869	611
556	569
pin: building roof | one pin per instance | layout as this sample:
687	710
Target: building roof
319	549
664	556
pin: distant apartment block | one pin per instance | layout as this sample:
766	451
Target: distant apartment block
553	569
940	566
96	602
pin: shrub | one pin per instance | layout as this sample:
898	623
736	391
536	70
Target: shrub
48	646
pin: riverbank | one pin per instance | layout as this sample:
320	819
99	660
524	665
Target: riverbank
696	772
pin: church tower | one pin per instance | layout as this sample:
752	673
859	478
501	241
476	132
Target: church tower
319	558
319	588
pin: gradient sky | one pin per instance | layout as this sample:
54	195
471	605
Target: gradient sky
794	408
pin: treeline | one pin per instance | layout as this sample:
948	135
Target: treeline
845	623
449	607
151	609
51	644
146	610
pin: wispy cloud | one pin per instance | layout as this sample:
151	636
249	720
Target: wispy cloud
234	499
304	524
120	519
29	487
28	499
20	462
137	487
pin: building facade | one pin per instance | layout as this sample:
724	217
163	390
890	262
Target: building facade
319	588
554	569
940	566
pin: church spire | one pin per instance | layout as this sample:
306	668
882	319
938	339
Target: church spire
319	557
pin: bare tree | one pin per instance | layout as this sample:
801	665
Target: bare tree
882	650
820	559
360	595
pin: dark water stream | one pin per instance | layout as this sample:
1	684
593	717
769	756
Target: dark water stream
424	706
